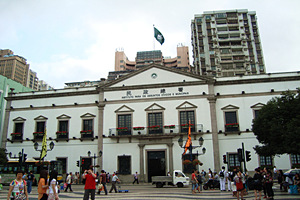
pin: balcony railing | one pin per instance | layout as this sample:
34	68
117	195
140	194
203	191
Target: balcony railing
16	136
87	134
233	127
166	129
38	135
62	135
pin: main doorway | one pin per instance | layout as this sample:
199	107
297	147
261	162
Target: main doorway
156	164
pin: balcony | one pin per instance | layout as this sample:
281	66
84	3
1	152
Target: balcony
38	136
88	134
62	135
141	131
232	128
16	137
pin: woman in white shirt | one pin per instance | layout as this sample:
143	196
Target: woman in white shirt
53	187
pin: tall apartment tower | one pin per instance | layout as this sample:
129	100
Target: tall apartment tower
227	43
13	66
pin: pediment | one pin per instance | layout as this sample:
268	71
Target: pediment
41	117
19	119
88	115
258	105
63	116
230	107
154	107
186	105
124	108
156	74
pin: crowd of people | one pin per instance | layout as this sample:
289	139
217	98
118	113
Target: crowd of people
239	183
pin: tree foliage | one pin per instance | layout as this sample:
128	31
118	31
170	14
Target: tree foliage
3	156
277	126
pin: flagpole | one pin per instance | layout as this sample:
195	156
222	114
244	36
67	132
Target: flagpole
153	39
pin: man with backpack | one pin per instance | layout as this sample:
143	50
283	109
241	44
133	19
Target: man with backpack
222	179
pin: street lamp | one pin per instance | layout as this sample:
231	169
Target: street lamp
94	157
191	147
36	146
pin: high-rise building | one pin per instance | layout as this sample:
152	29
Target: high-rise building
13	66
145	58
227	43
33	80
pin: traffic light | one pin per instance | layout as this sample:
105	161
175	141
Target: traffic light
248	156
77	163
25	157
82	161
240	155
224	159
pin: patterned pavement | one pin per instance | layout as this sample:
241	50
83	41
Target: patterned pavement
148	191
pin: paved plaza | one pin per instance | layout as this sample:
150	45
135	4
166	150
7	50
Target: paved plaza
148	191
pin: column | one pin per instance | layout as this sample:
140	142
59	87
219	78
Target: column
171	166
6	118
142	172
101	106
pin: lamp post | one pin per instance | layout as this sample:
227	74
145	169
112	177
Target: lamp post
191	147
94	157
36	146
22	157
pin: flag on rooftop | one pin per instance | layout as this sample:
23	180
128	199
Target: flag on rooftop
158	36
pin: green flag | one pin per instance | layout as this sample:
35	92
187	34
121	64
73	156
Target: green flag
158	36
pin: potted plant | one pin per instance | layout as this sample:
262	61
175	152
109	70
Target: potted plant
197	162
155	127
186	125
137	128
16	134
232	125
186	162
38	133
122	129
169	126
61	132
86	132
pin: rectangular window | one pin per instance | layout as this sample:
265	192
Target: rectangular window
185	118
40	127
124	124
265	161
87	125
63	126
231	123
124	164
233	161
19	128
295	159
155	123
256	112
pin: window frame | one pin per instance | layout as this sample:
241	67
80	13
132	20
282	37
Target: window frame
127	170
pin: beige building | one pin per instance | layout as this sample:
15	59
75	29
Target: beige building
145	58
13	66
227	43
33	80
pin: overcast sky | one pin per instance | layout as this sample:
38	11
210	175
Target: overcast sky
75	40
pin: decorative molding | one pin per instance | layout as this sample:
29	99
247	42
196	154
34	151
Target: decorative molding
186	105
230	107
88	115
41	118
19	119
154	107
63	116
124	108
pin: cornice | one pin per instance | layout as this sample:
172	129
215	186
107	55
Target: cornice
259	80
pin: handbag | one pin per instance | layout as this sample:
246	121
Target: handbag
44	197
20	196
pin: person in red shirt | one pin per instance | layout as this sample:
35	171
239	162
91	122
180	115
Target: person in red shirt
90	184
103	181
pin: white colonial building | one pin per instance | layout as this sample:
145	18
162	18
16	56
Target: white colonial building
136	121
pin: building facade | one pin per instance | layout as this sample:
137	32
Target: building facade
227	43
145	58
137	120
5	85
13	66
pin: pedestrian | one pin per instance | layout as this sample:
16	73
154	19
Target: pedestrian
114	181
69	182
280	178
168	174
17	188
275	173
228	174
102	180
53	186
90	184
194	181
30	180
222	175
200	181
210	182
264	173
239	184
269	184
107	177
76	178
43	186
233	186
257	183
136	179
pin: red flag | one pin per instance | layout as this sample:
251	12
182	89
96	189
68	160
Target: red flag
189	140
